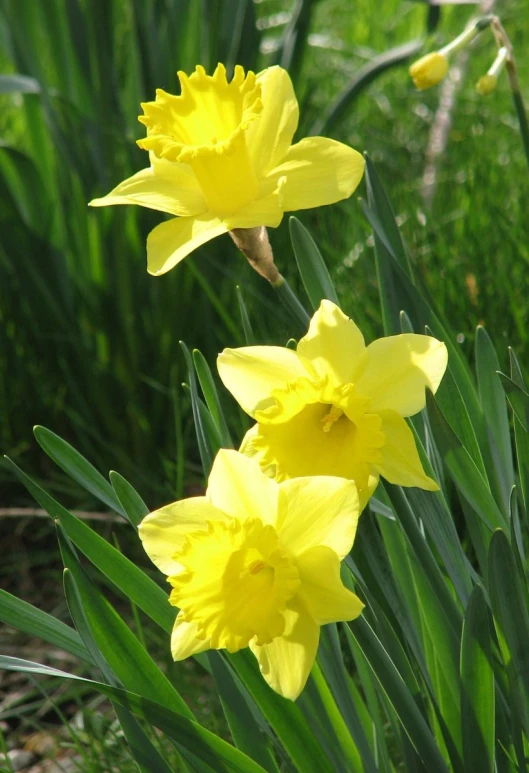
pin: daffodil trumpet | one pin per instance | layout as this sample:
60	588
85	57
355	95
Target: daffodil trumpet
256	563
222	159
336	406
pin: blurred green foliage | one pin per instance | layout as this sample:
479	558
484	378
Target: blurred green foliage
90	344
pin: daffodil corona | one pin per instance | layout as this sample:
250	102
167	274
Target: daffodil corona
222	158
257	563
335	406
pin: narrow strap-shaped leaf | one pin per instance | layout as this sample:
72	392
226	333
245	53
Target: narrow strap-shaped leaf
246	733
312	268
249	336
397	692
332	664
133	505
141	747
285	717
35	622
204	445
117	645
494	405
209	390
462	469
477	687
521	437
203	744
125	575
518	398
75	465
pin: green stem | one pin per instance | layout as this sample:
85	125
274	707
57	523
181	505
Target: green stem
290	301
518	105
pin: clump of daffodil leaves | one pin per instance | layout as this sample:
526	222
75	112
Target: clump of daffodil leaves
255	562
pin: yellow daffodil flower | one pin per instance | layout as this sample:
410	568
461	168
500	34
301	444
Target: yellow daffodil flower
222	158
257	563
335	406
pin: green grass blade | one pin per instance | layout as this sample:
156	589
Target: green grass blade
312	268
133	505
75	465
201	743
33	621
477	687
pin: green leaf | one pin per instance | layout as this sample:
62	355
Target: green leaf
125	575
201	743
21	84
249	336
401	699
114	641
133	505
246	732
204	443
285	717
35	622
493	403
333	667
360	80
477	687
211	397
75	465
518	398
462	469
141	747
312	268
510	606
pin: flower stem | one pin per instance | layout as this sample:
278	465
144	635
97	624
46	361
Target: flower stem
503	40
290	301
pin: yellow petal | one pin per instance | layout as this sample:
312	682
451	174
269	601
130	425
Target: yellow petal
171	242
251	373
333	345
266	209
397	370
316	511
163	532
184	640
318	171
270	136
239	488
429	70
400	459
286	662
322	592
175	191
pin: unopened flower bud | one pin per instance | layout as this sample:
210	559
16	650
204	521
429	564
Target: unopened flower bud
487	83
429	70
